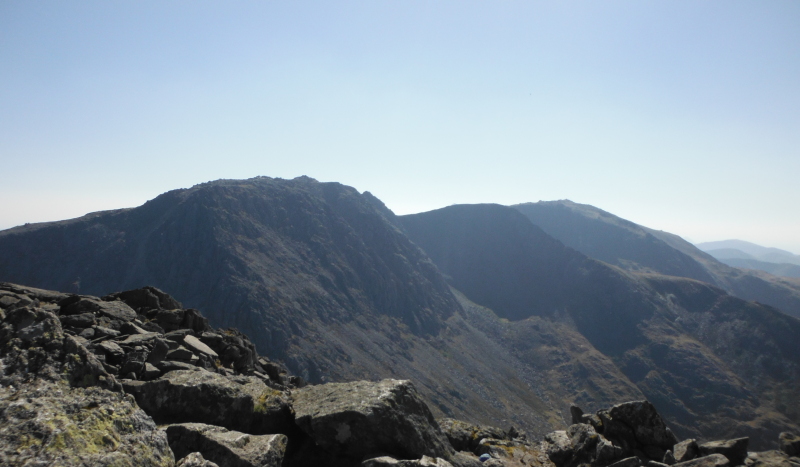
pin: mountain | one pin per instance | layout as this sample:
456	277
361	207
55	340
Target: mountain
684	344
494	320
622	243
753	251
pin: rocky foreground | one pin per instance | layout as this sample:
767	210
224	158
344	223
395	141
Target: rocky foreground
132	378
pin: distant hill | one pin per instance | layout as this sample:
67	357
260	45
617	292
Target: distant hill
758	252
616	241
776	269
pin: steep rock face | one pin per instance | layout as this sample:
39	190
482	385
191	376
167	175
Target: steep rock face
279	258
656	329
616	241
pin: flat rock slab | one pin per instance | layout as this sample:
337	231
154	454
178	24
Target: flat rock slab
225	447
770	459
714	460
362	418
647	425
789	443
734	449
135	339
425	461
246	404
195	344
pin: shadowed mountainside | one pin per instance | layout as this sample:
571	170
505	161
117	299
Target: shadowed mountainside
604	236
675	339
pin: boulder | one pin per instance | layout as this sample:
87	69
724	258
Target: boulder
686	450
714	460
225	447
196	345
195	459
559	447
789	443
45	423
361	418
734	449
114	310
242	403
584	440
576	413
145	298
647	425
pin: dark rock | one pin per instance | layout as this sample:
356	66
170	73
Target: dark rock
559	448
114	310
656	464
134	362
181	354
618	432
714	460
686	450
82	320
669	458
363	418
463	459
172	365
655	453
150	372
178	334
87	334
101	332
139	339
195	459
145	298
150	326
584	440
606	452
648	426
159	350
576	414
734	449
594	420
466	437
226	447
198	395
789	443
114	353
8	300
132	329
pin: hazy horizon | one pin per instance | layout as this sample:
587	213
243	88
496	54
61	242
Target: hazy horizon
680	116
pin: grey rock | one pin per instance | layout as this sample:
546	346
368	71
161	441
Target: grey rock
140	338
559	447
44	423
180	354
362	418
576	413
789	443
131	329
464	436
734	449
686	450
714	460
159	350
606	452
103	332
584	439
145	298
648	426
196	345
195	459
463	459
83	320
386	461
114	353
87	333
150	372
172	365
204	397
771	459
627	462
225	447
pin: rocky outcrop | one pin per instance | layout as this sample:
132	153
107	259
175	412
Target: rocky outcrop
361	418
226	447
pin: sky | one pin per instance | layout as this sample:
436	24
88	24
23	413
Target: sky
678	115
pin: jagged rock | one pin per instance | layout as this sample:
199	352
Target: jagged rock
559	448
606	453
226	447
466	437
243	404
131	329
361	418
101	332
734	449
618	432
150	372
180	354
789	443
195	459
45	423
686	450
82	320
159	350
647	425
576	413
113	310
583	439
714	460
386	461
669	458
114	353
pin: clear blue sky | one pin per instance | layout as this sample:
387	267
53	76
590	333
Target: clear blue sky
682	116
